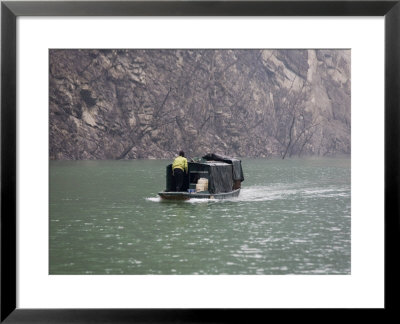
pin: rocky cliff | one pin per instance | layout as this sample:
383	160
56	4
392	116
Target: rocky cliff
127	104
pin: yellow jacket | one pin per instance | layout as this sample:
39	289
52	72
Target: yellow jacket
181	163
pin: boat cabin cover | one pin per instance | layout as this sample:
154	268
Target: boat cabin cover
224	174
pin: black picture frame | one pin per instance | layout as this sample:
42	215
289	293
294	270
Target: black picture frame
10	10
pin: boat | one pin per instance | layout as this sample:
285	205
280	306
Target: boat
209	177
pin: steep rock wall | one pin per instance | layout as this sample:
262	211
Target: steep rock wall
126	104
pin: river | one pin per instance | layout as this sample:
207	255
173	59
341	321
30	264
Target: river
293	216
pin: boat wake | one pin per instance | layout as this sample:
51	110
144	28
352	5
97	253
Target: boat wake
154	199
278	192
273	192
191	201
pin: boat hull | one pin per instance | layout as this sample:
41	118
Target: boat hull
197	195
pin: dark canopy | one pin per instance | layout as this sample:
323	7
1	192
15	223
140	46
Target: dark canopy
236	164
224	174
220	177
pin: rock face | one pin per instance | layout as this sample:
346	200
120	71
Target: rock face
128	104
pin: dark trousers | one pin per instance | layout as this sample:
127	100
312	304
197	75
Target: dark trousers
178	175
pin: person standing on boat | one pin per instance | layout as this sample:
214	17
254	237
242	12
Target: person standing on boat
179	166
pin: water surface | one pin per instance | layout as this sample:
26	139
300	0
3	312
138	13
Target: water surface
292	217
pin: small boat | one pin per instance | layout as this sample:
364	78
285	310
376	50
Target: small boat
210	177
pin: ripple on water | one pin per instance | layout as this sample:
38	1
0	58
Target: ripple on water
295	226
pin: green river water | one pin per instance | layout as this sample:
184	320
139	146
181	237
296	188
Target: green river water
293	216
